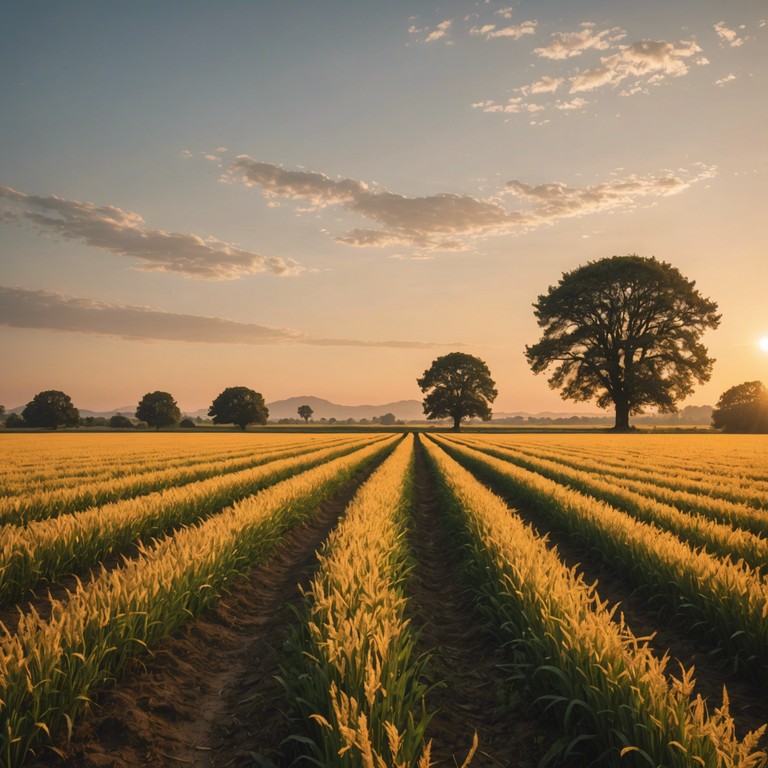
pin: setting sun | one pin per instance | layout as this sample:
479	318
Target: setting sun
763	343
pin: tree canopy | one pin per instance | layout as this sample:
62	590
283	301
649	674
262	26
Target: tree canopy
305	412
158	409
239	405
458	386
51	409
743	408
625	330
118	421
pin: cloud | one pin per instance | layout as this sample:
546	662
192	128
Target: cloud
489	31
123	233
440	32
551	202
423	222
451	221
564	45
728	36
727	79
650	59
545	85
22	308
514	105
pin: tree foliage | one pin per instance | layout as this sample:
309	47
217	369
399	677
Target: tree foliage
239	405
51	409
305	412
387	419
625	330
14	421
743	408
459	386
158	409
118	421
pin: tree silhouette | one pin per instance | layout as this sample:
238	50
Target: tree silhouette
51	409
158	409
461	386
743	408
239	405
305	412
625	330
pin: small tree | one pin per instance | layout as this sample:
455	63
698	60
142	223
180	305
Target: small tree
461	386
239	405
743	408
388	419
2	412
118	421
625	330
14	421
187	424
51	409
158	409
305	412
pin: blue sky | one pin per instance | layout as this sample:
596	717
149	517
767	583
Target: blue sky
313	198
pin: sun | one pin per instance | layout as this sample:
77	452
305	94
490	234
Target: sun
763	343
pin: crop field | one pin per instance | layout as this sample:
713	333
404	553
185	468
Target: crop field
383	600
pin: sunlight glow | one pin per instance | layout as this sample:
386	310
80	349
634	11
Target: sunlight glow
763	343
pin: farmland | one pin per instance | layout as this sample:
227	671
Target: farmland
374	599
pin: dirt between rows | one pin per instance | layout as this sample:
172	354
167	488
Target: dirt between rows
208	696
666	634
465	661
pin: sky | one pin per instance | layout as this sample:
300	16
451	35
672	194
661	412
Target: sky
321	198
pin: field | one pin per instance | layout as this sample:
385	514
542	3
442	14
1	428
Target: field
382	600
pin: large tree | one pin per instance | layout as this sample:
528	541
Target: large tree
158	409
625	330
239	405
51	409
743	408
458	386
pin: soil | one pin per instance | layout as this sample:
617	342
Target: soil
464	659
208	696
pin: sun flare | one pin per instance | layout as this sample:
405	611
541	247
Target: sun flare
763	343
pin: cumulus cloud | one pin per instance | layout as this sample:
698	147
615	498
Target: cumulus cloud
490	31
545	85
124	233
652	60
22	308
452	221
729	37
564	45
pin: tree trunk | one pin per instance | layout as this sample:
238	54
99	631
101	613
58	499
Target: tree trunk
622	416
457	423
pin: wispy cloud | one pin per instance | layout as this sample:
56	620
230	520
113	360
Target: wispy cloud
22	308
452	221
515	31
431	35
650	60
565	45
729	78
124	233
728	37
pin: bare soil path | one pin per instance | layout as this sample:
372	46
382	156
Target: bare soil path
668	635
207	696
465	661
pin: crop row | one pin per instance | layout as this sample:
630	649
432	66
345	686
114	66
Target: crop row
730	599
355	674
609	691
46	504
115	464
50	549
48	667
698	530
